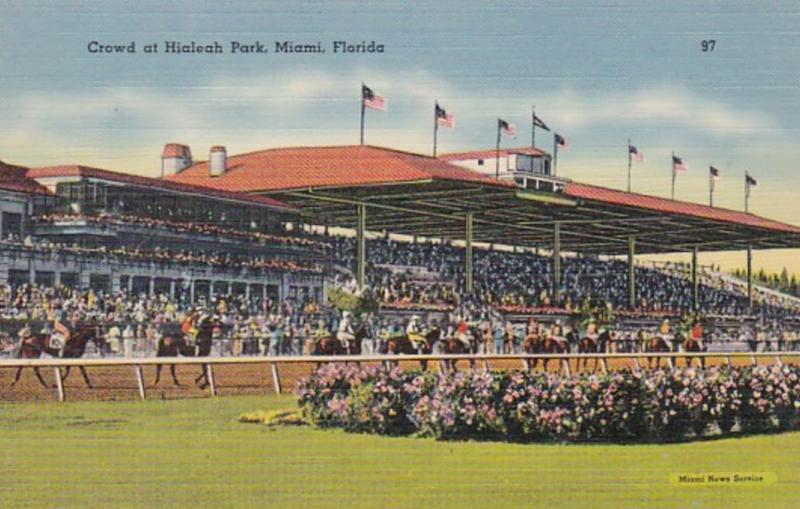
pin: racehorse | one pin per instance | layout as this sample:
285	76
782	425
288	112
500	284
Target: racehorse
599	345
329	345
692	345
171	346
75	347
33	347
656	343
534	344
401	345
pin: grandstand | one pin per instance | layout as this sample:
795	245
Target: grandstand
421	196
242	236
91	228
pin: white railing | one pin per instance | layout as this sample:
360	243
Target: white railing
444	361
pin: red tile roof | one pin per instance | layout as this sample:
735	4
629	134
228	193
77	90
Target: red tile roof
14	178
489	154
126	178
622	198
283	169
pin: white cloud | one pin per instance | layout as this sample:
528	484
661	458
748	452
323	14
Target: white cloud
308	105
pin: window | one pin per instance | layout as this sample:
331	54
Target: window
12	225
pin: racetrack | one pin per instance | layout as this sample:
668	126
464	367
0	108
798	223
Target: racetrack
194	454
119	382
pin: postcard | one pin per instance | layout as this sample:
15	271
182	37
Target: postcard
399	254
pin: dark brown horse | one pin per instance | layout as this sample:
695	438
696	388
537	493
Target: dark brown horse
659	344
536	344
402	345
590	345
329	345
75	347
32	347
454	346
171	346
693	345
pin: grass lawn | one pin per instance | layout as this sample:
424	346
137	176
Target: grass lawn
194	453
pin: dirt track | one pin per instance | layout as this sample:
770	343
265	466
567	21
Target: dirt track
119	383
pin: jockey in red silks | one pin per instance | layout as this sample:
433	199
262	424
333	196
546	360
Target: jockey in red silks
188	325
462	332
697	334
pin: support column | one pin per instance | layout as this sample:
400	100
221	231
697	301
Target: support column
557	263
362	245
191	292
631	273
468	253
750	277
151	289
695	282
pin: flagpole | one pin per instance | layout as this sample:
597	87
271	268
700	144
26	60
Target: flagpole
629	165
362	112
710	188
435	125
746	192
533	132
673	175
497	153
555	154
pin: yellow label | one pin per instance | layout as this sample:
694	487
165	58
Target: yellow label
723	478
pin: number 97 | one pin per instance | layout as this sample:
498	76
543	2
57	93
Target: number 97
708	45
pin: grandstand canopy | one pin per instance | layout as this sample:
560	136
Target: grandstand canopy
414	194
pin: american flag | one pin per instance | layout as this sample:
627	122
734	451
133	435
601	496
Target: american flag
372	100
678	164
561	142
714	172
444	119
537	122
635	154
506	128
750	181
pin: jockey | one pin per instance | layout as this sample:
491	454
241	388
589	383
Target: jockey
321	331
557	333
25	333
414	332
533	327
665	333
697	334
462	333
591	330
188	327
346	332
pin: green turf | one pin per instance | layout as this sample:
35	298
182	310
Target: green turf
194	453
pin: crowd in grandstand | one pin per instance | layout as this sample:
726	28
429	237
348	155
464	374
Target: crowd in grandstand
521	281
414	276
103	219
217	259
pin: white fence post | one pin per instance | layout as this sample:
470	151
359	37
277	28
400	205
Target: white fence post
276	379
212	385
59	383
140	381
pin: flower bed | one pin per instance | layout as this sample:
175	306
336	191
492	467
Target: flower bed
661	405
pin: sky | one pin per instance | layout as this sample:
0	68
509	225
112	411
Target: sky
598	73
